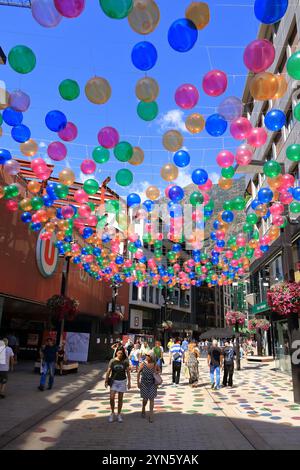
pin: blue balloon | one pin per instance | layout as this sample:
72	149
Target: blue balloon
5	155
216	225
119	260
176	247
176	193
138	243
144	55
182	35
35	227
270	11
264	248
296	193
221	243
26	217
268	214
227	216
181	158
87	232
215	125
68	239
148	205
48	200
199	176
55	121
255	203
133	199
275	120
265	195
12	117
59	214
21	133
213	236
97	251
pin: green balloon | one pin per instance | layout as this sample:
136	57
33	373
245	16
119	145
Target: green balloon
91	205
36	203
112	206
147	238
124	177
69	89
227	206
91	186
239	203
22	59
1	120
249	253
272	169
61	191
295	207
256	235
196	198
297	112
227	172
247	228
251	219
116	9
147	111
293	152
284	223
11	191
210	205
100	154
293	66
123	151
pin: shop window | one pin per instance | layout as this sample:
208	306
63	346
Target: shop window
135	292
276	271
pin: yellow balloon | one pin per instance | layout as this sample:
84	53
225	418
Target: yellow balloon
34	186
147	89
152	193
225	183
144	17
264	86
195	123
25	205
98	90
169	172
137	156
29	148
172	140
282	87
4	98
67	177
198	13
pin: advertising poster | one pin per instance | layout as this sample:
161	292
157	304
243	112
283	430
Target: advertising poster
77	346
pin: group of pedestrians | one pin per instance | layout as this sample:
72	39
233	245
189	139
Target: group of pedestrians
148	364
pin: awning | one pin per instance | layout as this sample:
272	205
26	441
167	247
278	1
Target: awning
218	333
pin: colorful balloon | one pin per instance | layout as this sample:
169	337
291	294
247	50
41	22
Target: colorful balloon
195	123
240	128
214	83
282	87
144	17
124	177
133	199
67	177
20	133
293	152
29	148
12	167
268	11
12	117
100	155
199	14
244	154
272	169
88	166
275	120
215	125
57	151
22	59
45	13
264	86
19	101
225	159
98	90
108	137
293	65
187	96
123	151
147	111
169	172
70	8
199	176
182	35
116	9
69	133
181	158
137	156
176	193
152	193
144	56
257	137
69	89
172	140
231	108
56	121
147	89
91	186
259	55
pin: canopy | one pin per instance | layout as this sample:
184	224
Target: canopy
218	333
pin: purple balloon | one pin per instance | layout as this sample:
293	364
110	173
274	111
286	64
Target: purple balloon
108	137
69	133
88	167
231	108
19	101
70	8
57	151
45	13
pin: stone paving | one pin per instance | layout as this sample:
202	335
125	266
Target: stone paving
258	413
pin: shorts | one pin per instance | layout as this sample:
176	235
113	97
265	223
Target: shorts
134	363
3	377
119	386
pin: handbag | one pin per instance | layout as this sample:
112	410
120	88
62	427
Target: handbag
110	381
157	378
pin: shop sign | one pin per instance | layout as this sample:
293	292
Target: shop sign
46	255
259	308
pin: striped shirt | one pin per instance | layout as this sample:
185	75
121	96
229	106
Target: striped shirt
177	353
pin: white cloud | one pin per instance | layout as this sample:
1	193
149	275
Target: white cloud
184	177
43	145
214	177
173	119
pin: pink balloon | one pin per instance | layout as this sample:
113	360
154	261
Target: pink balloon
187	96
286	197
88	167
257	137
287	181
84	210
57	151
259	55
19	101
69	133
81	196
225	159
206	186
240	128
44	174
277	209
168	189
67	212
38	162
265	240
108	137
11	205
214	83
70	8
277	220
258	253
244	154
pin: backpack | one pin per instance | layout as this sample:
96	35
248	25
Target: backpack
229	356
176	356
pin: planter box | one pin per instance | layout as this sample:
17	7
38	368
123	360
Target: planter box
71	368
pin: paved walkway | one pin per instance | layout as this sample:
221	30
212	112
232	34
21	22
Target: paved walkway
257	414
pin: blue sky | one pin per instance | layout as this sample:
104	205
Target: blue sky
94	44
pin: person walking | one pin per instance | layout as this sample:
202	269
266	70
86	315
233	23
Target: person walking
228	353
185	344
134	357
146	383
177	356
191	360
6	364
145	348
117	346
118	378
214	361
48	356
159	354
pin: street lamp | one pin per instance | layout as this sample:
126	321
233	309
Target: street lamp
235	307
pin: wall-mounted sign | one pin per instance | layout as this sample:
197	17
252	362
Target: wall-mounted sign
46	255
262	307
136	319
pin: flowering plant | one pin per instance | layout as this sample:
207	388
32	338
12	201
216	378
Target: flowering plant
256	324
233	318
113	318
284	298
62	307
167	325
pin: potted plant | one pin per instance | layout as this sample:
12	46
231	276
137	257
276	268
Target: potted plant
284	298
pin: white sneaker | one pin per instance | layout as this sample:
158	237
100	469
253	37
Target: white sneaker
120	419
111	418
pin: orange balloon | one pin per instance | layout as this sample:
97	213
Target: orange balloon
172	140
275	183
137	156
144	17
274	232
147	89
34	186
152	193
264	86
29	148
282	87
98	90
261	210
225	183
51	212
25	205
67	176
169	172
195	123
198	13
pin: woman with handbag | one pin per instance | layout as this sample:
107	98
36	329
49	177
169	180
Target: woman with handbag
118	378
148	380
192	356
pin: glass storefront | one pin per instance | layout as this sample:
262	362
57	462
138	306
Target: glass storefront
282	346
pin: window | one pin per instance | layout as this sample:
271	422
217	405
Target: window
151	295
276	271
134	292
144	294
157	297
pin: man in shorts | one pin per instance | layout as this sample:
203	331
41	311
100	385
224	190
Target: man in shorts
5	364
